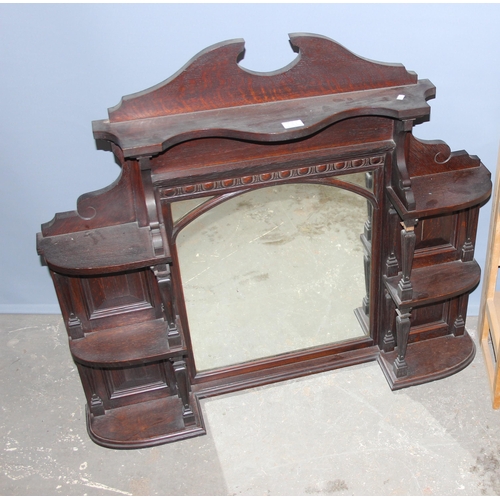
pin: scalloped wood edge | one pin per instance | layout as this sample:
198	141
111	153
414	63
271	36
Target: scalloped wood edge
197	85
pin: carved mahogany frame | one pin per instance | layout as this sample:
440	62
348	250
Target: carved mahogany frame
215	129
328	174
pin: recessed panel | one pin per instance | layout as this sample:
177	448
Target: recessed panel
436	231
115	294
128	381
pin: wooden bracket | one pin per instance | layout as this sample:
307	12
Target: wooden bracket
401	181
155	226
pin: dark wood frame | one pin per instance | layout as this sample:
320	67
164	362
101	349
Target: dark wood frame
215	129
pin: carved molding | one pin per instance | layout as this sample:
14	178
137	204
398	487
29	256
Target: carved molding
211	187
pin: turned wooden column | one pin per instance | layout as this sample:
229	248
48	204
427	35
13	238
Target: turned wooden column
367	235
164	279
183	387
403	325
408	240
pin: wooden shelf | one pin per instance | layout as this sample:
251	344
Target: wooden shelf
264	121
436	283
107	249
155	422
445	192
126	345
450	354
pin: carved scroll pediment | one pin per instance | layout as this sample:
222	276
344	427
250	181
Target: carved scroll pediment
213	79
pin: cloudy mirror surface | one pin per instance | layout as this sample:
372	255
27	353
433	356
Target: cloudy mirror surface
272	271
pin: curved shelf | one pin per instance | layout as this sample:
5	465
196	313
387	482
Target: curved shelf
101	250
265	122
436	283
126	345
155	422
445	192
429	360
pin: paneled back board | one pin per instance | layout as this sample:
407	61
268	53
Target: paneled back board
215	131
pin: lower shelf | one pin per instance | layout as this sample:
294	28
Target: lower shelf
160	421
145	424
423	363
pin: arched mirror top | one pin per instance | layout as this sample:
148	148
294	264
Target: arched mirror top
187	210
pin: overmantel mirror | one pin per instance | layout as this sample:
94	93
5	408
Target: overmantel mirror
265	226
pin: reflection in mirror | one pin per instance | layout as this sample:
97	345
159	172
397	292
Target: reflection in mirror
274	270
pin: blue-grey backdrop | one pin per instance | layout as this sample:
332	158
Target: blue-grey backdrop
63	65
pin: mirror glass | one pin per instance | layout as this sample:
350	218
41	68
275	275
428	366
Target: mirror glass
273	270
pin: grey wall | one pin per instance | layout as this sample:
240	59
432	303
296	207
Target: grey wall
64	65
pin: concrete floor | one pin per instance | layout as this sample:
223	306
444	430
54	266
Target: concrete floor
337	433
